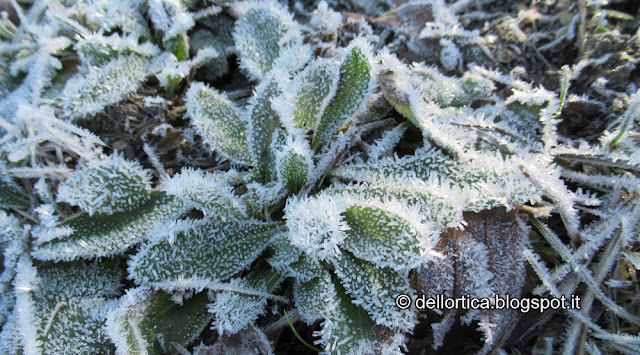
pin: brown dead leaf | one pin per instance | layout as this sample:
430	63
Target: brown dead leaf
481	261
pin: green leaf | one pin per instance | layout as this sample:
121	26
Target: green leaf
212	194
434	203
484	182
107	186
12	196
375	289
101	235
96	49
263	124
89	93
218	121
355	86
281	252
200	253
235	309
385	238
347	328
262	34
294	164
313	89
310	297
150	323
71	306
306	268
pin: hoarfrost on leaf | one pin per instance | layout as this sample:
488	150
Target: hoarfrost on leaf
107	186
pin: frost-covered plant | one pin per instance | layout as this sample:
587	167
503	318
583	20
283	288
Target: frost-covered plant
319	209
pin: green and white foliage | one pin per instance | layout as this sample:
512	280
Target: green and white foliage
148	322
346	328
264	33
218	34
212	194
318	204
13	241
170	18
170	70
106	186
312	296
263	129
89	93
199	254
308	95
243	301
375	289
84	236
354	89
11	195
62	307
97	50
218	121
294	163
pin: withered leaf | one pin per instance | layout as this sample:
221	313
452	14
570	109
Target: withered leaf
483	260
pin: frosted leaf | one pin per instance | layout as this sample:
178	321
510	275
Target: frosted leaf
170	17
44	127
450	55
69	306
384	145
171	71
10	336
13	243
89	93
108	15
106	186
263	122
311	297
209	193
355	87
305	268
294	164
388	236
489	253
309	94
290	261
235	310
630	116
12	195
219	35
486	180
96	49
281	252
263	32
347	328
204	252
325	19
106	235
449	91
145	322
316	225
218	121
438	204
259	197
375	289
